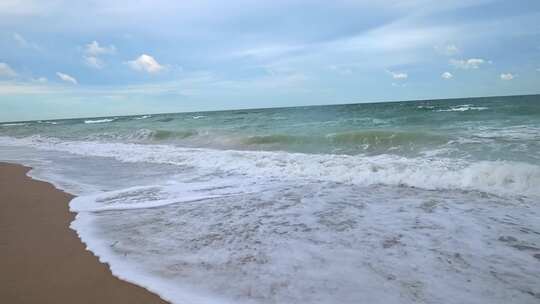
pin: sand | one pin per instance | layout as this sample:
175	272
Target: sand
41	259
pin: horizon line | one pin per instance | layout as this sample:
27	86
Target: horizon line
277	107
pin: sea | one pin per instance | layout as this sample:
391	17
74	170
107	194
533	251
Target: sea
432	201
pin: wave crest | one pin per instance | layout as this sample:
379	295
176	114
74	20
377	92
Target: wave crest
498	177
97	121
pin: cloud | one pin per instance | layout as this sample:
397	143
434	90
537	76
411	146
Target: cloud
398	75
40	80
507	76
94	62
341	69
92	52
447	75
21	41
25	88
146	63
268	51
67	78
6	70
449	49
473	63
397	36
93	49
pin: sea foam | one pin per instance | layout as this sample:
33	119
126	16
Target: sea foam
312	242
96	121
498	177
231	226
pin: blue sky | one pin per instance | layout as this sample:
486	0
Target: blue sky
96	58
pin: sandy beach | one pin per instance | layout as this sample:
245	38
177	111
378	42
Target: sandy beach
41	259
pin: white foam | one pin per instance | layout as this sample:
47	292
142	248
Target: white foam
276	227
518	132
306	243
499	177
47	122
141	197
13	124
96	121
463	108
168	290
143	117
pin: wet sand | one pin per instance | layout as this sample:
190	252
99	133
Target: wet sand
41	259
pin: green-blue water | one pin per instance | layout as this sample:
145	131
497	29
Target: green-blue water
494	128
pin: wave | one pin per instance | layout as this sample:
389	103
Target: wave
368	140
47	122
165	134
167	119
96	121
498	177
142	117
14	124
457	108
518	132
143	135
385	137
142	197
158	135
276	139
427	107
462	108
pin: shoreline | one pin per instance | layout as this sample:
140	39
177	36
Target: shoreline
42	260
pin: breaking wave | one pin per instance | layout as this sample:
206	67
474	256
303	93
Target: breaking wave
367	141
462	108
498	177
14	124
96	121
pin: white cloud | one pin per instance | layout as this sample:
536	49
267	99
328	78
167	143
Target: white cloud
67	78
6	70
341	69
394	37
400	85
449	49
92	52
93	49
21	41
268	51
24	88
447	75
94	62
40	80
290	80
398	75
507	76
146	63
473	63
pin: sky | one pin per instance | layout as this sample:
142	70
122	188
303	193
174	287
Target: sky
99	58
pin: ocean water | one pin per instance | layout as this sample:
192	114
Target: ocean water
405	202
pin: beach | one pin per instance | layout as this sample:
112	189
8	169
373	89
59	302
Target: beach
41	259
